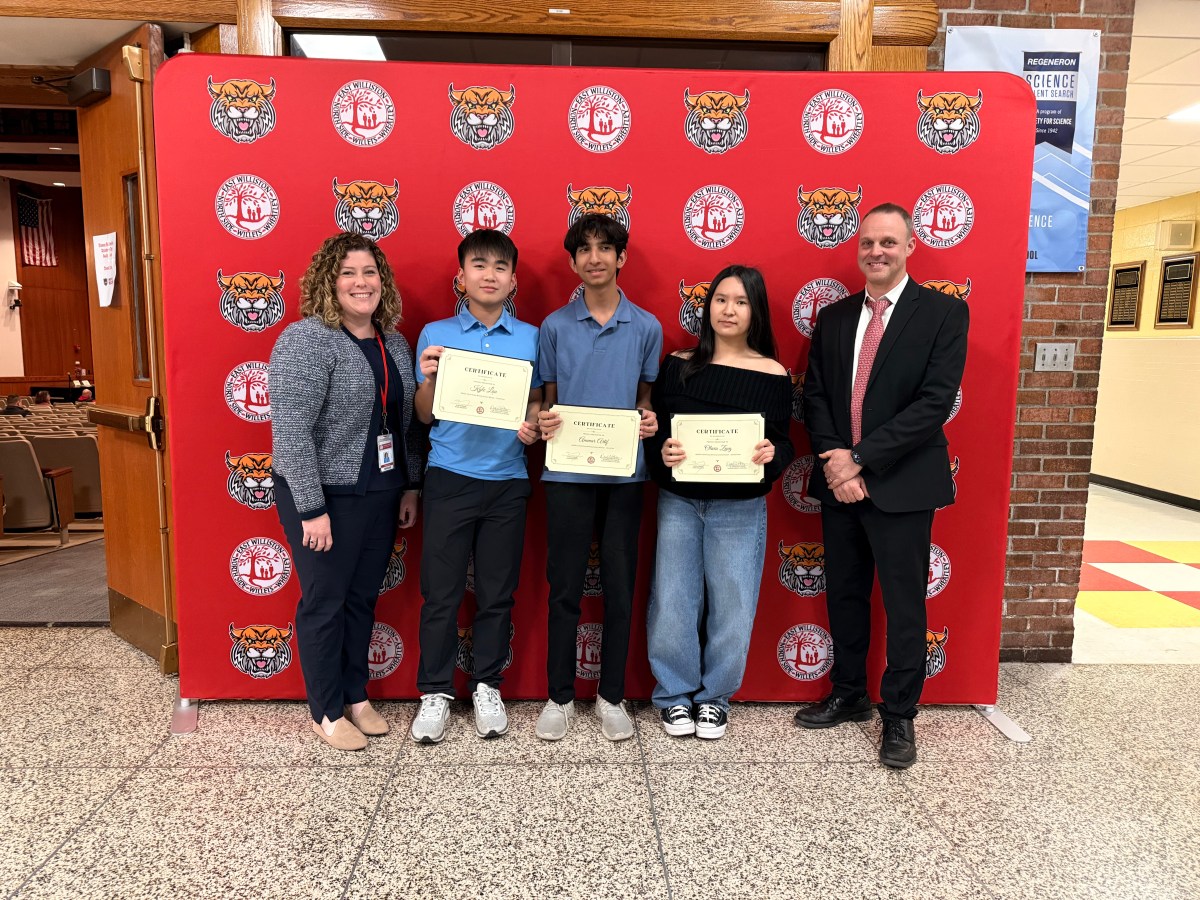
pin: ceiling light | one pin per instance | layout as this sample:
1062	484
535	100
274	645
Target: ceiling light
1187	114
60	184
54	148
340	46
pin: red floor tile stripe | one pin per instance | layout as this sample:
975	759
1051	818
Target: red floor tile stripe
1117	552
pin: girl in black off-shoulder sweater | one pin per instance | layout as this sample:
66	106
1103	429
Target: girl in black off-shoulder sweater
712	534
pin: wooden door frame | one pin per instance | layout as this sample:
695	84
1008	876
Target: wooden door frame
863	35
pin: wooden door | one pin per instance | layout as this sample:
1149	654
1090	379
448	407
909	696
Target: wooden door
126	340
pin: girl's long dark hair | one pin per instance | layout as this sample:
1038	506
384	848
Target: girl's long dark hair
759	338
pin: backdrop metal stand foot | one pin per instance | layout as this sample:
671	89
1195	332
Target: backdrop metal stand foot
183	715
1004	724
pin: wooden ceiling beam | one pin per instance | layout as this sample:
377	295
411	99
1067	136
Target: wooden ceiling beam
218	11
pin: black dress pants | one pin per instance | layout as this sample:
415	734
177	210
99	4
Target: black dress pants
338	590
464	514
859	539
573	512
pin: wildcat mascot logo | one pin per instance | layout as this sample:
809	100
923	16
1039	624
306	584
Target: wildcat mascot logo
251	300
600	199
961	291
367	207
482	117
802	570
935	652
250	481
241	109
394	577
949	121
691	309
828	215
465	657
260	651
716	120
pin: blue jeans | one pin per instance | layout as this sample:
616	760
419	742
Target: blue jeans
716	545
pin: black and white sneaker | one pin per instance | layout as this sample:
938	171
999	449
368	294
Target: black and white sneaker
677	720
711	721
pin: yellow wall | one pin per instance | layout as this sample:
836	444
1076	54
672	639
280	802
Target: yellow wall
1148	413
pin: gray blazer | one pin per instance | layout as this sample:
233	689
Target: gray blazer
319	384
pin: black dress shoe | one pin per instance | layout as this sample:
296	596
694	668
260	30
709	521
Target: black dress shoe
899	747
835	710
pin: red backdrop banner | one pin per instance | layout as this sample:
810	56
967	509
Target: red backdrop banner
260	159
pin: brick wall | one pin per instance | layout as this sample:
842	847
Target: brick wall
1056	410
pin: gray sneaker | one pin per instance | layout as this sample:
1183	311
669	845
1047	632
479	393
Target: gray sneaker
490	718
429	726
615	723
555	719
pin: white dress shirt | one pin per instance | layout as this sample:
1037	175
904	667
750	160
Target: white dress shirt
864	319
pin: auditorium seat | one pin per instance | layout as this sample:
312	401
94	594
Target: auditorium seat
36	498
81	455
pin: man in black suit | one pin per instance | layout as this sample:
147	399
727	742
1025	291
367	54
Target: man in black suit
883	371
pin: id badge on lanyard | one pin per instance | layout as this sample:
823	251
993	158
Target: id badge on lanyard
384	445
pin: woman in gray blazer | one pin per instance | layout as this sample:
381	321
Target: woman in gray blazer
348	468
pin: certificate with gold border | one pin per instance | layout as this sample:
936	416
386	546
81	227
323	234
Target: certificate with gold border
718	447
481	389
594	441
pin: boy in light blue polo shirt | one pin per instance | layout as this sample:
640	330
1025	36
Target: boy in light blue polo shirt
598	350
475	492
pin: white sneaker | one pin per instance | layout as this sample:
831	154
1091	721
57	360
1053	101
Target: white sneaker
615	723
490	718
429	726
555	719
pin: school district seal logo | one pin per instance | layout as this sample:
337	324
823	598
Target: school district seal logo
811	299
260	566
385	652
805	652
363	113
246	392
833	122
796	479
482	204
599	119
943	216
247	207
589	637
939	571
713	217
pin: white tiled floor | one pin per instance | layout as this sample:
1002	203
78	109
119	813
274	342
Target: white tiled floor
1113	515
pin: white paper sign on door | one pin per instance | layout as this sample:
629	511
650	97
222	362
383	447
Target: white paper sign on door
104	248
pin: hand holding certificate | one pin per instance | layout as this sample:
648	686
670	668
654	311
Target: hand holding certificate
594	441
481	389
718	447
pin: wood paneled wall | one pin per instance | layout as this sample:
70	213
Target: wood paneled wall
55	329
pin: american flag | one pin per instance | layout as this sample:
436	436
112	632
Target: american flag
37	231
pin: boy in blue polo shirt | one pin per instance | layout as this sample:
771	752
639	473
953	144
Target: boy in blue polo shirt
475	491
598	350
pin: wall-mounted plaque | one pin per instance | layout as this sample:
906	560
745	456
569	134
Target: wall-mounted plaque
1177	292
1125	303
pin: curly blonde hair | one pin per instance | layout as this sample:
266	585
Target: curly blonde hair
318	286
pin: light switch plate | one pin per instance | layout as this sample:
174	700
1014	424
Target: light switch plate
1054	358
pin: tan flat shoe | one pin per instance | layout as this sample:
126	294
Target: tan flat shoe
345	736
368	721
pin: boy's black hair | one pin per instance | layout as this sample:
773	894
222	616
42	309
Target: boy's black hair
487	242
595	225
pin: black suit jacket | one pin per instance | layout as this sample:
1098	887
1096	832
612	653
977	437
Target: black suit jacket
914	379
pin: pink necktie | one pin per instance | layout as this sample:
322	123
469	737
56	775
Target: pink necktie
866	357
